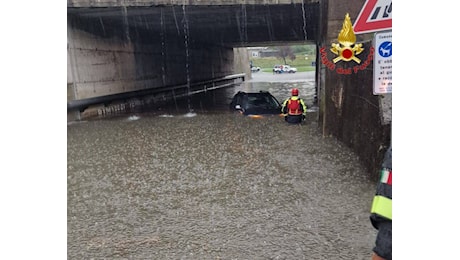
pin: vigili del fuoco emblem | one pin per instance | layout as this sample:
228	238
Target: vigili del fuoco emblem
346	49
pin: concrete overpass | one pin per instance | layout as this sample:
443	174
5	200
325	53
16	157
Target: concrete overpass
117	48
133	46
205	23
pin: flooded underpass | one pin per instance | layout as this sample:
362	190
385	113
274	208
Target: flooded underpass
198	181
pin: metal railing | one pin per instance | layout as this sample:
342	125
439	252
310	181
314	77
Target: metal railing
193	88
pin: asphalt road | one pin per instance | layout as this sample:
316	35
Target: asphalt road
285	77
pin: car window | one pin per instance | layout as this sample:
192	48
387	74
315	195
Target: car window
274	103
255	100
263	101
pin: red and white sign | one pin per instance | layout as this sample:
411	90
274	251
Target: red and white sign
374	16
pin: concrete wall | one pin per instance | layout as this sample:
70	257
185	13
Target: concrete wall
98	66
241	62
349	110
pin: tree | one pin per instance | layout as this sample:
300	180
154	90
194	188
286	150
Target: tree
286	52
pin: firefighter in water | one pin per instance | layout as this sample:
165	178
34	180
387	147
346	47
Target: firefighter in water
294	108
381	211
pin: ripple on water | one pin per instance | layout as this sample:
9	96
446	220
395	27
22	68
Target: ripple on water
217	185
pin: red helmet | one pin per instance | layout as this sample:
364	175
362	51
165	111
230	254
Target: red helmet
295	92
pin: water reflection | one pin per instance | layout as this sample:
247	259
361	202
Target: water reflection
212	184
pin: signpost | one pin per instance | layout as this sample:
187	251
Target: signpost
383	63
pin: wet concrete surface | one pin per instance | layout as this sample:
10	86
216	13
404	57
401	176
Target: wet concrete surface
199	181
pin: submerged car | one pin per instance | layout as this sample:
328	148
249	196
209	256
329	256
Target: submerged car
255	103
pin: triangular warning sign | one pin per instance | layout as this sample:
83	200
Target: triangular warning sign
374	16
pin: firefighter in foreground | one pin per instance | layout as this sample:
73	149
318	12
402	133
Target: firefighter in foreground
381	211
294	108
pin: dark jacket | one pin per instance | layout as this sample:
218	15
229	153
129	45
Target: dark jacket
383	242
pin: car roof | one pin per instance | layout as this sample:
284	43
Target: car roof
261	92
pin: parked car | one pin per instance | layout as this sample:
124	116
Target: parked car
255	69
284	69
255	103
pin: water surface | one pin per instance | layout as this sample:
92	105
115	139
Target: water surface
209	183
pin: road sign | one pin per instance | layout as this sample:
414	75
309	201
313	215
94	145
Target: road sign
383	63
374	16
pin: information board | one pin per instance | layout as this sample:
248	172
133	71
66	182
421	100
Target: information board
383	63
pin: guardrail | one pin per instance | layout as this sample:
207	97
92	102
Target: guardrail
196	87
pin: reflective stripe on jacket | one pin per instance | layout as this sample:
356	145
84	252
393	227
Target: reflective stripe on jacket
381	205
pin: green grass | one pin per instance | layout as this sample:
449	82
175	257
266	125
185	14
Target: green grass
266	64
299	68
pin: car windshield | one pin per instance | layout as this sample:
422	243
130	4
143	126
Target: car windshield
262	101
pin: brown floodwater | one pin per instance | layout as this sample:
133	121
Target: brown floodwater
195	180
